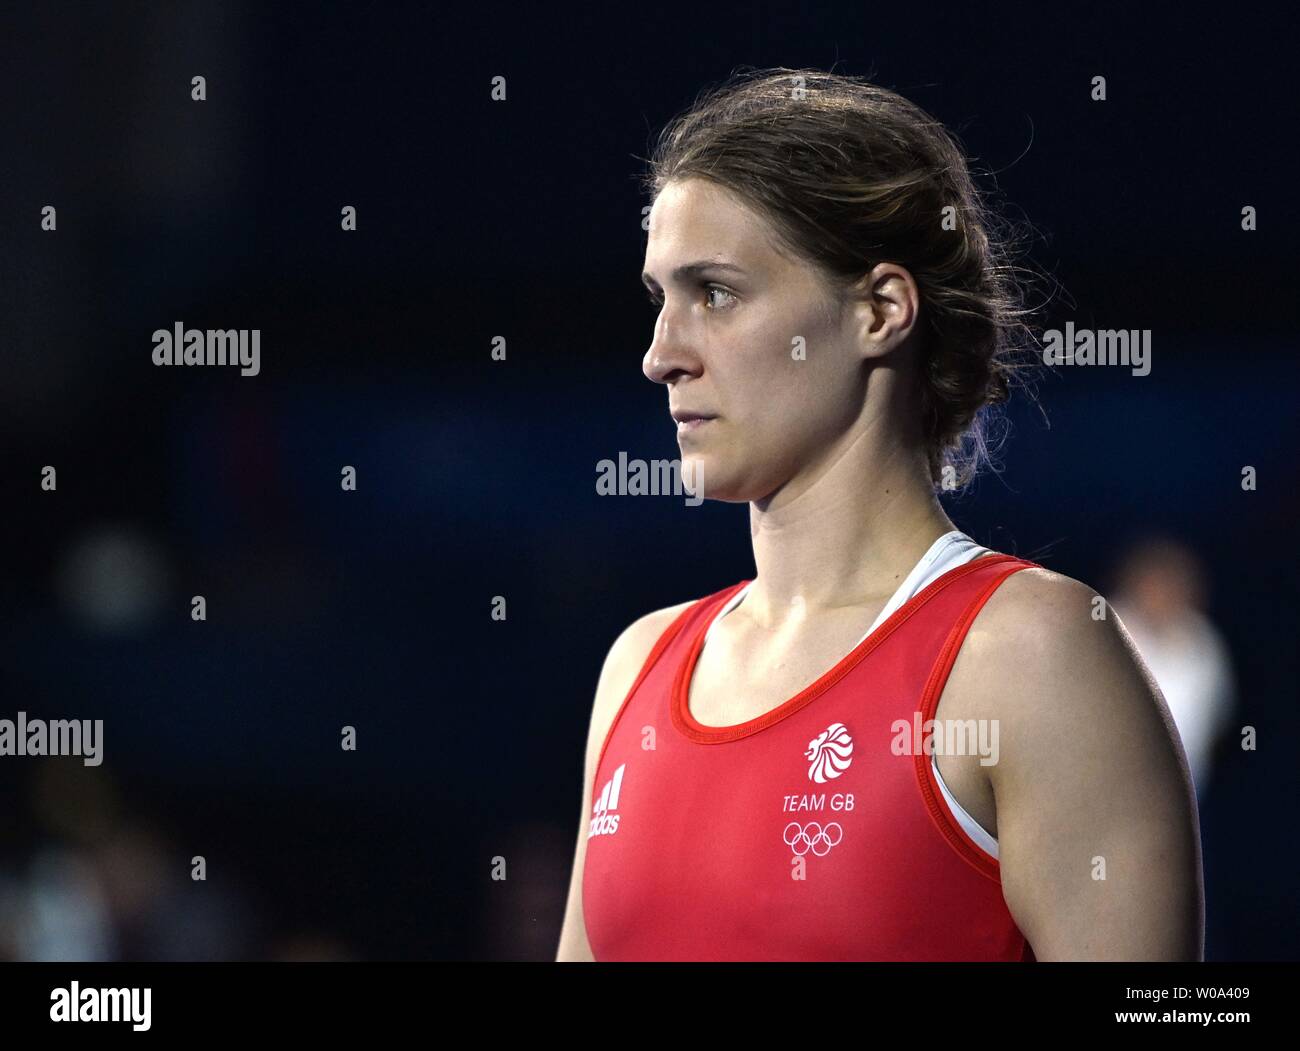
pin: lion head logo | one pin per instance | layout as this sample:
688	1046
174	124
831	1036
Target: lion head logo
830	753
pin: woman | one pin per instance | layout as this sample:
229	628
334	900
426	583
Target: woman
988	773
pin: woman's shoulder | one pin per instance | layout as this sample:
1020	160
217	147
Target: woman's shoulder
633	644
1047	649
1044	597
628	654
641	635
1038	613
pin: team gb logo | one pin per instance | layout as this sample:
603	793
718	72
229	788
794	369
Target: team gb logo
830	753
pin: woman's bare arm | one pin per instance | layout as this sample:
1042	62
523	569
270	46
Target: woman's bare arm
1097	827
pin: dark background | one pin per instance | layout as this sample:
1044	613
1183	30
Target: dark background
476	478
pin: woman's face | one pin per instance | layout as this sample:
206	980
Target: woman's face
749	338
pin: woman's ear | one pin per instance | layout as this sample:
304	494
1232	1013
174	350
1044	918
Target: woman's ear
885	305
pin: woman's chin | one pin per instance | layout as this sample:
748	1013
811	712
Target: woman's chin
705	478
694	475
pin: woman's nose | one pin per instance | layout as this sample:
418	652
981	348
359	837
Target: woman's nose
667	355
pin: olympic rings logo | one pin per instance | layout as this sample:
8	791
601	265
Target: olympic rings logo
812	837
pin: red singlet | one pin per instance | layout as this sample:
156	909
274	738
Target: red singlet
802	834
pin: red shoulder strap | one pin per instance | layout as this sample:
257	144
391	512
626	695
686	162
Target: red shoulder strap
991	580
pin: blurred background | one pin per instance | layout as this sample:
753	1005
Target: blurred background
476	478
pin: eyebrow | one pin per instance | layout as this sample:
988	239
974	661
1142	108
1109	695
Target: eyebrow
690	270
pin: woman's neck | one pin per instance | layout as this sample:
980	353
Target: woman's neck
844	533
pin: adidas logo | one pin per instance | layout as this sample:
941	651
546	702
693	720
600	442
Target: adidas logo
603	822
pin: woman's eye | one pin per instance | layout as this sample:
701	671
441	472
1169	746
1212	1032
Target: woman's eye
710	289
657	300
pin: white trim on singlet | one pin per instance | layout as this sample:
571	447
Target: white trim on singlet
948	552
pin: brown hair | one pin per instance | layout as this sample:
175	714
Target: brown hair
851	174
